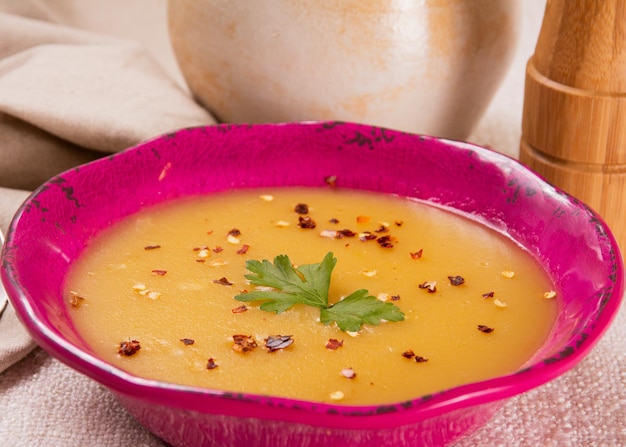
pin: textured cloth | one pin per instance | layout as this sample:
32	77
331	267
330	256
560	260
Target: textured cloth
51	119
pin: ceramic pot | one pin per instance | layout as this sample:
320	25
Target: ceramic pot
423	66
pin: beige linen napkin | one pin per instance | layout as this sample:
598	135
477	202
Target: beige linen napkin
67	97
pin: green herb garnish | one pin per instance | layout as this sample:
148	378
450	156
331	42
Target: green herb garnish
309	284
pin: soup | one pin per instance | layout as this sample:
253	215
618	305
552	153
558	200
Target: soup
162	294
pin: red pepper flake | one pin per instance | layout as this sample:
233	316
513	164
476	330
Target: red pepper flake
334	220
485	329
489	294
187	341
204	247
348	373
234	232
456	280
75	300
417	254
331	180
217	249
276	342
243	250
333	344
386	241
306	222
210	364
129	347
239	310
431	286
151	247
399	223
362	219
408	354
209	232
367	236
394	297
301	208
223	281
200	260
420	359
345	233
243	343
159	272
382	228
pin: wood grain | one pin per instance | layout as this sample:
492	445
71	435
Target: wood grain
574	117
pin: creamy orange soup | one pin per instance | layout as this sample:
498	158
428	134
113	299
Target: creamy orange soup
154	295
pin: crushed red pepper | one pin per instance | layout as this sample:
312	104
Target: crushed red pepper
239	310
345	233
75	300
334	220
217	249
386	241
301	208
394	297
420	359
408	354
485	329
243	250
431	286
382	228
416	254
243	343
489	294
331	180
223	281
456	280
151	247
399	223
234	232
129	347
275	343
367	236
333	344
187	341
306	222
210	364
159	272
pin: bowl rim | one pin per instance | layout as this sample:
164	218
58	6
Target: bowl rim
336	415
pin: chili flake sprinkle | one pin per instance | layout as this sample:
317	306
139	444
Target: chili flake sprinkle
210	364
367	236
485	329
431	286
386	241
243	343
333	344
223	281
345	233
234	232
456	280
75	300
331	180
399	223
129	347
420	359
277	342
334	220
489	294
243	250
217	249
306	222
239	310
159	272
301	208
187	341
416	254
362	219
151	247
408	354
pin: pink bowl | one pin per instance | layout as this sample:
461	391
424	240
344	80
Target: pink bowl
570	240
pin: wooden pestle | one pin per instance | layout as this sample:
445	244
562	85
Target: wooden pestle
574	117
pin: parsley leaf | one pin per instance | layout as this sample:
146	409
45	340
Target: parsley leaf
309	284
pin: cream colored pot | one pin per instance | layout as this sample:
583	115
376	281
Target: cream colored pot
425	66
